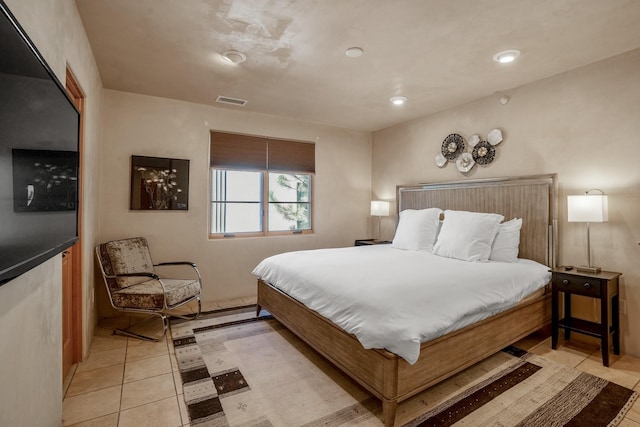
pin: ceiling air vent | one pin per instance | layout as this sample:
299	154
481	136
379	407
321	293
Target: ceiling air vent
231	101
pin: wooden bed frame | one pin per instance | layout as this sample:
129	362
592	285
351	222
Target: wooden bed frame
386	375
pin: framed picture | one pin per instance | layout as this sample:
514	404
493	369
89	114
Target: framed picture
159	184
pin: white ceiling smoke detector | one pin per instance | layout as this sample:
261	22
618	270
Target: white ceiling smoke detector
233	56
354	52
506	56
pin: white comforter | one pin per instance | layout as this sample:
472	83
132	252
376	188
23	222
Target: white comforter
394	299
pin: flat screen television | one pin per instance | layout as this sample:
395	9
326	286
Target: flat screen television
39	130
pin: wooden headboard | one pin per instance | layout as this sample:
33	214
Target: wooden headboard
532	198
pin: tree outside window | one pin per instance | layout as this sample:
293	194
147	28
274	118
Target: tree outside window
289	202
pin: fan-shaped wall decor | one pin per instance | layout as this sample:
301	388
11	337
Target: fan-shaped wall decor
473	141
482	151
494	137
452	146
465	162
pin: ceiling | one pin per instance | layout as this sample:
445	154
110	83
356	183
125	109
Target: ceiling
437	53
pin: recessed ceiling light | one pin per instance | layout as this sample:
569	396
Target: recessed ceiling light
234	56
354	52
398	100
506	56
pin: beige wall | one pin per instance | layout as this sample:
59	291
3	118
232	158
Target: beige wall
582	124
30	306
149	126
31	355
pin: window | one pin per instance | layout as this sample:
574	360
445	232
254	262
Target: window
260	186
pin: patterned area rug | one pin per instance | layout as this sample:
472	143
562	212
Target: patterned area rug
241	370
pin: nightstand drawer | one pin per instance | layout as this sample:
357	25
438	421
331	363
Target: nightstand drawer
578	285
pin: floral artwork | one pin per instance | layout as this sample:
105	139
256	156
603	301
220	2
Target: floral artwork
45	180
159	183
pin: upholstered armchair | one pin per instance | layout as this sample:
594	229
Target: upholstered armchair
134	284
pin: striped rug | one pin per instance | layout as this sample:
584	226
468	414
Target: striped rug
240	370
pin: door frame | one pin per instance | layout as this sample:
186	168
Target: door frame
77	97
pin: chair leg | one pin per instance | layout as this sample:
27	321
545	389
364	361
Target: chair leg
190	316
129	333
165	324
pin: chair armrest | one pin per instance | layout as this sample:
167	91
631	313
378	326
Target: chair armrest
192	264
145	274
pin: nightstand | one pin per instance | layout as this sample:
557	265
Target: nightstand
367	242
602	286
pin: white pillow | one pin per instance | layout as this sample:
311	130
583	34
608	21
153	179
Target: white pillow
505	246
467	235
417	229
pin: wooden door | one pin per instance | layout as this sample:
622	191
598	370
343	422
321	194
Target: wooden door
67	313
72	300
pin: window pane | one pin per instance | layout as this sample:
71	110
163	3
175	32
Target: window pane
236	186
289	207
289	216
237	201
293	188
236	217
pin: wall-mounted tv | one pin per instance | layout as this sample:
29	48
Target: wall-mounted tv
39	129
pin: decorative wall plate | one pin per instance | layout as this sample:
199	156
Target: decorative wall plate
440	160
452	146
465	162
473	141
494	137
484	153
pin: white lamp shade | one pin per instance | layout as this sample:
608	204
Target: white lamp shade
588	208
379	208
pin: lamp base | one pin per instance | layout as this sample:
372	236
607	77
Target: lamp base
585	269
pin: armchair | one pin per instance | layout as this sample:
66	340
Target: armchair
134	285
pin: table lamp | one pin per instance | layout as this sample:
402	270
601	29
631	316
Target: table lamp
379	208
588	208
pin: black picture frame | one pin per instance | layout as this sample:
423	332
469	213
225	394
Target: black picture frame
159	184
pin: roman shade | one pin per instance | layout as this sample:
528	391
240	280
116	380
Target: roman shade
233	151
246	152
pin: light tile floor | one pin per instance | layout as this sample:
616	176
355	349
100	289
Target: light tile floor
127	382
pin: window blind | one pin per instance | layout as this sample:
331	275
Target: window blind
245	152
291	156
242	152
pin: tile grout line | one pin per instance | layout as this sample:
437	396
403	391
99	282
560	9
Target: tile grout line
173	377
175	384
124	370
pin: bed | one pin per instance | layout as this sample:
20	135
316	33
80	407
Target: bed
391	377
